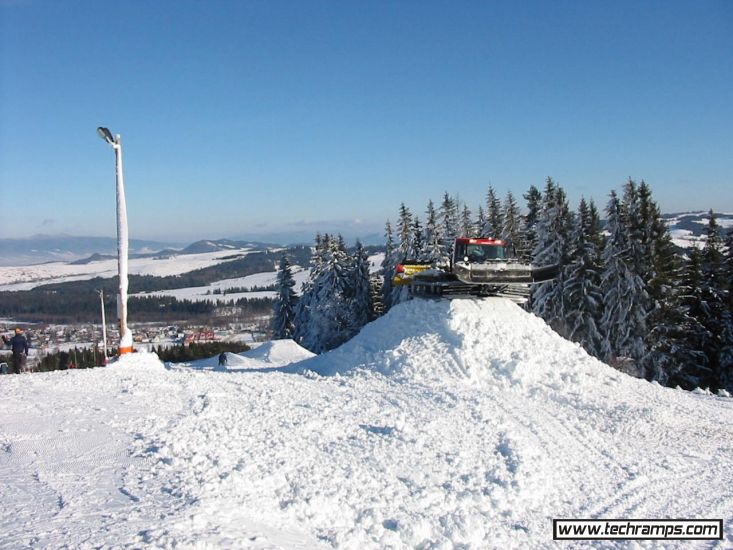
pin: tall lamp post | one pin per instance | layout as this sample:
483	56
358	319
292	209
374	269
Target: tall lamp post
125	334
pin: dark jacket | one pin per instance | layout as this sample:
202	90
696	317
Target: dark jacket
19	344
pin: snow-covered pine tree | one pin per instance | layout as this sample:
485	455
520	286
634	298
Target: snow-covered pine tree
729	268
727	357
433	249
715	316
677	337
623	324
283	306
467	228
661	273
448	226
512	228
529	225
494	219
330	322
596	233
583	300
480	221
359	296
376	284
306	303
404	251
388	267
417	244
554	230
404	233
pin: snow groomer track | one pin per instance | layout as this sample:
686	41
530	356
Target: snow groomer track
443	423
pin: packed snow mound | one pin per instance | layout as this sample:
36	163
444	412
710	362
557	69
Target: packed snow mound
279	352
490	340
268	355
272	354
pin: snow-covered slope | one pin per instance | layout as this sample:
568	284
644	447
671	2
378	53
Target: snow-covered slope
442	424
687	229
31	276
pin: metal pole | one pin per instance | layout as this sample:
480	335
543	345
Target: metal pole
104	327
122	246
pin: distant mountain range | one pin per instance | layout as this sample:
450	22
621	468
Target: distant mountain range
49	248
84	250
687	229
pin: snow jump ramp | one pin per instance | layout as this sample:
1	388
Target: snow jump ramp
485	341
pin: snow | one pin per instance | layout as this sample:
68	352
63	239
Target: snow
684	238
276	353
31	276
206	293
463	423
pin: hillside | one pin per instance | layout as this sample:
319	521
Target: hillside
442	424
688	228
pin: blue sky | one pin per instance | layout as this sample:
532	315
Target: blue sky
240	118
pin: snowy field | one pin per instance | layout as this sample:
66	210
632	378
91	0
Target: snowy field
444	424
206	293
31	276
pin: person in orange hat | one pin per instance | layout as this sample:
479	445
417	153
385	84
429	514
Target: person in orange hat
19	345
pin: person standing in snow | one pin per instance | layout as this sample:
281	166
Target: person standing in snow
222	359
19	346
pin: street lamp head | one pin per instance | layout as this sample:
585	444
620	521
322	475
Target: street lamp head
106	135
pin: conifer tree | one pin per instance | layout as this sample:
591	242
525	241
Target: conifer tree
417	246
433	250
727	355
404	232
480	221
715	316
623	324
583	299
376	291
467	229
307	303
529	229
448	223
359	295
494	220
283	306
554	230
330	321
677	337
512	228
388	267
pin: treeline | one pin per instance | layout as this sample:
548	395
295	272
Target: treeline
79	358
83	307
624	291
628	297
194	351
86	358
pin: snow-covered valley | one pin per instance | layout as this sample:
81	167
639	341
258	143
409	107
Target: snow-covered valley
443	424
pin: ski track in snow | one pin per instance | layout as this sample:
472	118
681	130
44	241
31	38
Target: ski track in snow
444	424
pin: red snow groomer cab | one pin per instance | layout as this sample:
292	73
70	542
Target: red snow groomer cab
479	266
